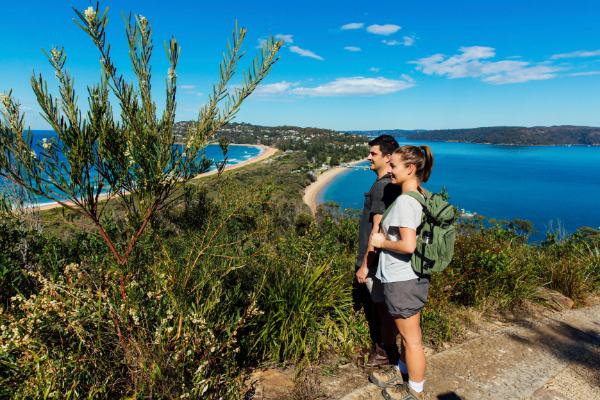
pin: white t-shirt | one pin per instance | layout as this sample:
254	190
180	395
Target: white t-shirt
395	267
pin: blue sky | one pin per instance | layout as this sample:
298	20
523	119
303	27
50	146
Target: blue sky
346	64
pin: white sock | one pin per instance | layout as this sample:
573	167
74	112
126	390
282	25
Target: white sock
402	367
417	387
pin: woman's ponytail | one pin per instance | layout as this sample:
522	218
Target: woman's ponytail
427	163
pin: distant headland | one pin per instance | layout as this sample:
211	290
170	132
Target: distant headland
515	135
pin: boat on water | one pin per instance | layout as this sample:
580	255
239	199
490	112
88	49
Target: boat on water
467	214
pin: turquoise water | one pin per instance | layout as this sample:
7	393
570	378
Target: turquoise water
544	184
236	155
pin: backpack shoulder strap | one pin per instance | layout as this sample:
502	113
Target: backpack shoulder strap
415	196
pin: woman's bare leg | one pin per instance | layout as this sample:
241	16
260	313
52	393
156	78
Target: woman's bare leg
412	349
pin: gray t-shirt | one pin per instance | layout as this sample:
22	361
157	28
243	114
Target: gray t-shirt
395	267
381	196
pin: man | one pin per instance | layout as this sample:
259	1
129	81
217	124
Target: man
381	196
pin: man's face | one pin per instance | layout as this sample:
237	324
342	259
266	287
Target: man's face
378	161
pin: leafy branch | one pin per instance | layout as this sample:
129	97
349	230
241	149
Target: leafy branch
97	157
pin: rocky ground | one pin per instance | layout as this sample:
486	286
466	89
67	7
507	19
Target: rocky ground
540	353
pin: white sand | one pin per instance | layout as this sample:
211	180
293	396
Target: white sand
310	192
269	151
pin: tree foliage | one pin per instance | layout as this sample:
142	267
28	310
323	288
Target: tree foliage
516	135
132	159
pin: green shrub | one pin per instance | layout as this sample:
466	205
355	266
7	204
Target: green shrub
307	300
167	324
570	266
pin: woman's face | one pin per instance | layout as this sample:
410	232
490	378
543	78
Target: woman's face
398	171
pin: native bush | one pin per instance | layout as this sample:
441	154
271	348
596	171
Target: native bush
343	225
482	268
570	266
174	328
307	300
134	160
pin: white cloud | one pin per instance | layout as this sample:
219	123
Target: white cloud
304	53
383	29
408	41
534	73
274	88
261	42
585	73
407	78
199	94
187	87
356	86
352	48
373	69
469	64
355	25
285	38
574	54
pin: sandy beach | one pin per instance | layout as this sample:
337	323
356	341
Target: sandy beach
268	152
310	192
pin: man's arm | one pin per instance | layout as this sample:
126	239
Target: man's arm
370	254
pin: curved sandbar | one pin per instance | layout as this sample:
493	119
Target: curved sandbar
268	152
310	192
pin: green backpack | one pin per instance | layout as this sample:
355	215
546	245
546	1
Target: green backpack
435	235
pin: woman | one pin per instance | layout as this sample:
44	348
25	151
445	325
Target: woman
404	290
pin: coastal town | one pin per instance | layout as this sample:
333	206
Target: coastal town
322	146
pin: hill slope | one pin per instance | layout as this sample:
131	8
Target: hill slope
402	133
516	135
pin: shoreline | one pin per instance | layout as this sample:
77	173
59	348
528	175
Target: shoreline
311	191
264	154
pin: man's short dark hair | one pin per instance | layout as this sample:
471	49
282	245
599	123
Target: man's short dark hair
387	144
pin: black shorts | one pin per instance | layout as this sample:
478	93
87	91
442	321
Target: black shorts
406	298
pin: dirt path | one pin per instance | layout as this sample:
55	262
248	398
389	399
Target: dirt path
557	357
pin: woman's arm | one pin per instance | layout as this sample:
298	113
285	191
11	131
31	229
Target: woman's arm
406	245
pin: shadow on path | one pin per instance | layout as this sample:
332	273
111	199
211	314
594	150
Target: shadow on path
449	396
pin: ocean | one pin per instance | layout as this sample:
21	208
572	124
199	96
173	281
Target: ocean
236	154
547	185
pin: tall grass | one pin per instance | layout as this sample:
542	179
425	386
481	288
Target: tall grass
307	299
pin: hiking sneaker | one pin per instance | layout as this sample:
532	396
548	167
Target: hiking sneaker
402	392
377	357
389	378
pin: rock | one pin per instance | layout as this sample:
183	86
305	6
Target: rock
269	384
554	299
547	394
428	351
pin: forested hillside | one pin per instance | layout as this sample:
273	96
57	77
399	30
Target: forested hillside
320	145
402	133
516	135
